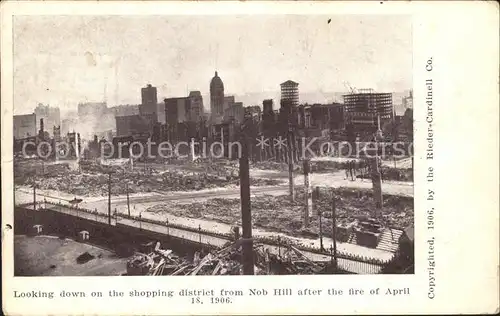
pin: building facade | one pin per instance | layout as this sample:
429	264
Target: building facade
322	116
51	116
131	125
25	126
235	113
177	110
408	101
228	102
92	109
268	117
124	110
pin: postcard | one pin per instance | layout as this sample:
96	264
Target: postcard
249	158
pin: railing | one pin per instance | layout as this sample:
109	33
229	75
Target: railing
279	242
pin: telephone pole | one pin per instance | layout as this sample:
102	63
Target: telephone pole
377	185
318	211
246	213
34	196
334	231
290	166
307	195
109	198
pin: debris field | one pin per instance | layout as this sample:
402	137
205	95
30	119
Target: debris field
278	213
225	261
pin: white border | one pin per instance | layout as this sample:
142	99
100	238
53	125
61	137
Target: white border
462	37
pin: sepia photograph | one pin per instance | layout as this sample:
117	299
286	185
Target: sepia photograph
175	145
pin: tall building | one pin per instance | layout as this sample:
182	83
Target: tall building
290	92
149	102
196	106
51	116
216	98
363	109
25	126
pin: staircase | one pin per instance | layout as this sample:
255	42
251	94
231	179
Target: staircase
387	242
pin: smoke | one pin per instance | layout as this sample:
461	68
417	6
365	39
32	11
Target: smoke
88	126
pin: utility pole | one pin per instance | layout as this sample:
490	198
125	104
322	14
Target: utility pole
376	176
199	233
222	141
246	214
34	196
377	185
307	195
109	198
334	231
128	201
318	211
290	166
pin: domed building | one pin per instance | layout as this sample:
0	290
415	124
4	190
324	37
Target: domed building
217	98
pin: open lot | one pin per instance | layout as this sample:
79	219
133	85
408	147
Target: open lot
52	256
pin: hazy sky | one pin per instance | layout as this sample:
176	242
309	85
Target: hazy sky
66	60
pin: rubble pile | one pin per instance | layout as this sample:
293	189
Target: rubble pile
278	213
392	174
225	261
93	181
24	171
156	262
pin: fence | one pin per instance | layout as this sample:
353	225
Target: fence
277	241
